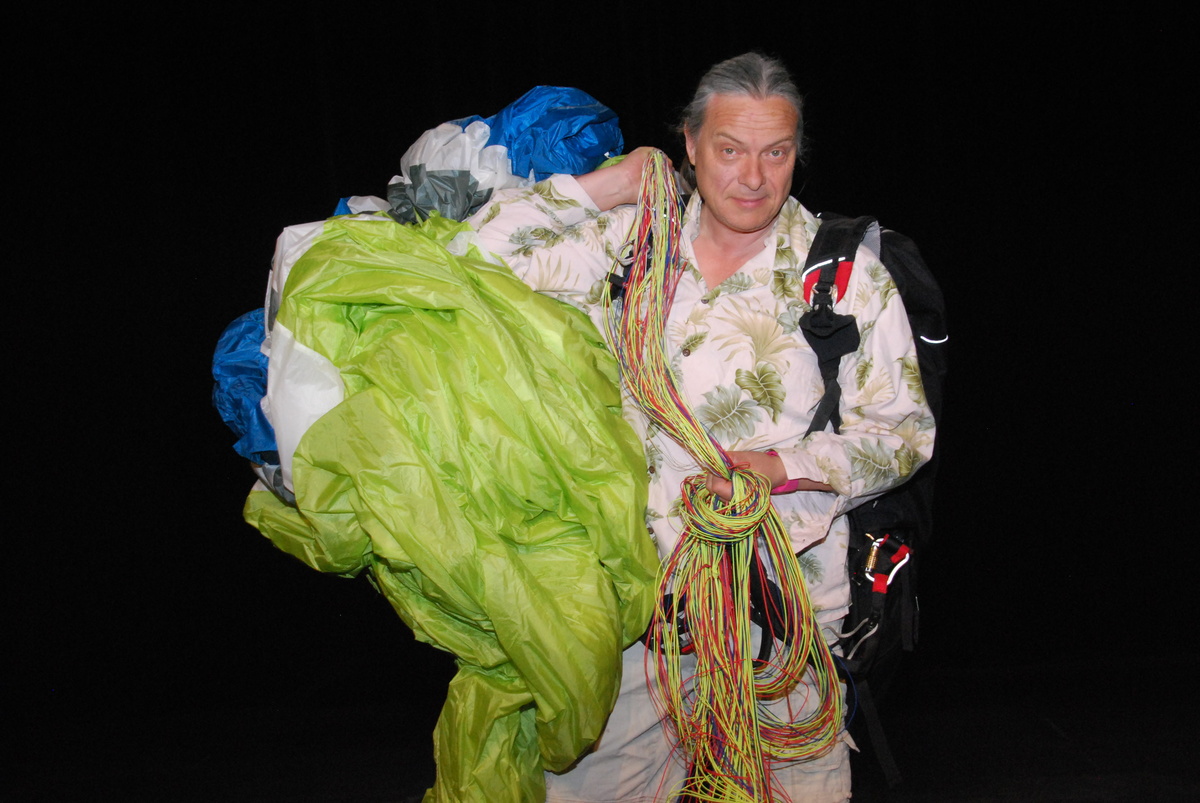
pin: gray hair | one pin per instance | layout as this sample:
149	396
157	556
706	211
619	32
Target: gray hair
750	74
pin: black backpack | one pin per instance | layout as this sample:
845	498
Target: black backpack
887	535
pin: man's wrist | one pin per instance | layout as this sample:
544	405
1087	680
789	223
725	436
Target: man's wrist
788	485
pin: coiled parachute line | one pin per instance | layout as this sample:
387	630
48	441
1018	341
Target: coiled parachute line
725	549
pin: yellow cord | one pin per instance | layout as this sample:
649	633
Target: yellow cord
730	739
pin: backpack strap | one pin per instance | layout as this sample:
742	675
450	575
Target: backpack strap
830	335
883	751
875	566
878	566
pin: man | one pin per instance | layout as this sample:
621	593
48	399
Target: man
744	366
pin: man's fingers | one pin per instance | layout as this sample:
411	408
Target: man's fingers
720	486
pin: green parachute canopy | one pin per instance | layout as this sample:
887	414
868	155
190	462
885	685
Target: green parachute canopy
479	468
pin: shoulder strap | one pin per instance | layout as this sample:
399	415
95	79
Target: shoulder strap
831	335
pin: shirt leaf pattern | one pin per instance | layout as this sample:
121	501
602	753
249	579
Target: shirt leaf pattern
872	462
912	379
693	342
727	414
785	283
765	386
546	193
907	459
761	333
811	568
883	281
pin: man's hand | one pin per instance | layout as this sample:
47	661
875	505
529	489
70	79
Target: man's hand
618	184
769	465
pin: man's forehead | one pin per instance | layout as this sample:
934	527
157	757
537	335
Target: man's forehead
731	135
742	116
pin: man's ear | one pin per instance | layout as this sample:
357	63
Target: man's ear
690	143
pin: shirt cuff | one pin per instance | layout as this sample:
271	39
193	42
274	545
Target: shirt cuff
799	465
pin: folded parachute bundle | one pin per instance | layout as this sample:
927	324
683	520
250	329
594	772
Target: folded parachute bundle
453	169
459	437
415	411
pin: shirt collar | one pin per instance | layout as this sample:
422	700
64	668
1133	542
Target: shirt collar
691	230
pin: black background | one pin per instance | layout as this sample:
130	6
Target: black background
1041	160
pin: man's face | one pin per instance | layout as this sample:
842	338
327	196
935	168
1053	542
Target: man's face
744	155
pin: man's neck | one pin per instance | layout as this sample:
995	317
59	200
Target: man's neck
720	252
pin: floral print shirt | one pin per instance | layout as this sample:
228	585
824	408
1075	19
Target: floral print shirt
743	364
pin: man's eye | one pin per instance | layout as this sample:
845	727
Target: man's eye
727	151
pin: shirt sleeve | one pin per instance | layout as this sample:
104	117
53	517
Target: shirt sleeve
554	238
887	427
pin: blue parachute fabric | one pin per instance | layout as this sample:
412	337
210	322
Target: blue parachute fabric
554	129
343	207
474	118
240	371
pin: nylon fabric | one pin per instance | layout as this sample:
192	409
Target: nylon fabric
480	469
240	377
556	129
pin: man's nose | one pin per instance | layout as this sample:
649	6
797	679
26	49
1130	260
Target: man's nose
752	174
